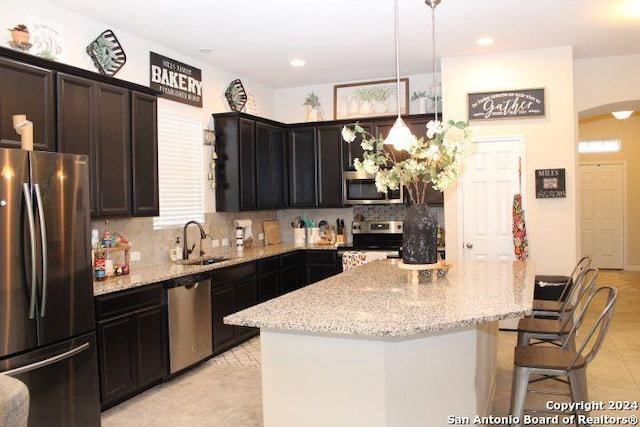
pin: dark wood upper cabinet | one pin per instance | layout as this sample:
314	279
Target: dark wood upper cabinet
112	121
302	167
247	142
144	154
25	89
271	170
329	149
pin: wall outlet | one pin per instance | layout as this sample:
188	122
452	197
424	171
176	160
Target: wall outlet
215	243
225	242
135	255
260	236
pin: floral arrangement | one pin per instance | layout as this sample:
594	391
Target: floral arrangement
418	95
378	93
435	158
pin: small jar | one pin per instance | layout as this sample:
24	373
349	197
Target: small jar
99	270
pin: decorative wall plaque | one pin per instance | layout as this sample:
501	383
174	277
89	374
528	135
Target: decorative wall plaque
550	183
236	95
508	104
107	53
176	80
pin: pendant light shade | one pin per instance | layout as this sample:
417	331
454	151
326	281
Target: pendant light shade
399	136
622	115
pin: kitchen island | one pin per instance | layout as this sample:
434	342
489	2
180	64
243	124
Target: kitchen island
368	348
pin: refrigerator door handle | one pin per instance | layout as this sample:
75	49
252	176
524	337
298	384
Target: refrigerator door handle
26	192
43	247
47	362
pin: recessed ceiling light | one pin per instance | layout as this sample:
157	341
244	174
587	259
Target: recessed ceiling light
297	63
205	50
484	41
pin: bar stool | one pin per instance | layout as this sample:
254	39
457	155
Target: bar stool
557	331
564	304
556	287
553	362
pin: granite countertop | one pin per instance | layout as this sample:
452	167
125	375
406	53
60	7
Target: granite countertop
377	300
169	270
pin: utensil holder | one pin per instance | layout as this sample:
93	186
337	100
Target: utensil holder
299	237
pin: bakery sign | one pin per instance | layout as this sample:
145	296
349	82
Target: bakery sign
550	183
508	104
175	80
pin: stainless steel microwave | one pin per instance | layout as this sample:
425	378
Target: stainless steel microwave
359	188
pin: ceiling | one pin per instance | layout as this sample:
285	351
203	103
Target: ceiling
346	40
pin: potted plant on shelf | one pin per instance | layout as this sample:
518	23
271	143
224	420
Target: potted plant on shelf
312	102
379	96
434	159
20	35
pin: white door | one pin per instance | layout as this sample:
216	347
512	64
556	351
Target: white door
489	182
602	214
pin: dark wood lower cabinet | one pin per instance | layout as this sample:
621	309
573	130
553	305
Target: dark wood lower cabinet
232	289
132	343
319	265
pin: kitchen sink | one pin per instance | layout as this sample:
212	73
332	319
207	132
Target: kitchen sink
208	260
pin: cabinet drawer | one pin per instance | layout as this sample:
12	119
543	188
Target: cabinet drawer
320	257
112	305
268	265
233	274
287	260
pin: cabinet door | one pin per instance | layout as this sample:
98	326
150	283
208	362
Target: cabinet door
224	336
77	128
264	166
116	358
245	296
317	272
247	164
329	144
302	167
114	140
144	152
268	286
353	150
279	175
290	278
26	90
151	345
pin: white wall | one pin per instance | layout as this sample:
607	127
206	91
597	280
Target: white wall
79	31
601	81
550	143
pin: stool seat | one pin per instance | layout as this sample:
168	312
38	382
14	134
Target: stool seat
550	306
547	358
544	326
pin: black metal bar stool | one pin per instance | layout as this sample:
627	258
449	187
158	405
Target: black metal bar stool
553	362
557	331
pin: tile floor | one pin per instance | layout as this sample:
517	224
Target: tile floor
225	391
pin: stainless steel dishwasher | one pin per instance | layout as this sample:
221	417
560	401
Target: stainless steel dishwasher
189	307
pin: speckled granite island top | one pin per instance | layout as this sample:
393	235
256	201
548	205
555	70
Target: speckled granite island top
376	299
158	273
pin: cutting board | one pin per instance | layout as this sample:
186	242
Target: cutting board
271	232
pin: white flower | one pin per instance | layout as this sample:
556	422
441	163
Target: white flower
454	135
433	127
348	134
367	144
369	166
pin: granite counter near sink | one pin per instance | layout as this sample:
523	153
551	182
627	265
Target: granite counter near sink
158	273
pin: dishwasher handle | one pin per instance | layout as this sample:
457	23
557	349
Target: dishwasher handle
187	281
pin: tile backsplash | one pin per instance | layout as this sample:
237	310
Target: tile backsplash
153	245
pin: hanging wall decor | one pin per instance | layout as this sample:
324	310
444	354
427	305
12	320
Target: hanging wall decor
550	183
236	95
107	53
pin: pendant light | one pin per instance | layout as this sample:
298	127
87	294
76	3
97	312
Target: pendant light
399	136
433	4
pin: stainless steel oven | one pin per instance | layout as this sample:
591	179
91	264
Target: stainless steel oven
360	189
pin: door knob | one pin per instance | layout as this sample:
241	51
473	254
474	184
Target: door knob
469	245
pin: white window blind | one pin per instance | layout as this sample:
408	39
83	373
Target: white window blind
600	146
179	170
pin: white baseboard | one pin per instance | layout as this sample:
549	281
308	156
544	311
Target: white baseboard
632	267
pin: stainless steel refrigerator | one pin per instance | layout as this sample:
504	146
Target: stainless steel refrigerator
47	323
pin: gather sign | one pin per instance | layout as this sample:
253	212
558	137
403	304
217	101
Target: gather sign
509	104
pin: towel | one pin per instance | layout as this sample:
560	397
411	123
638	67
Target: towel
245	224
352	259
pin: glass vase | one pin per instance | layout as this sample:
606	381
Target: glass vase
420	235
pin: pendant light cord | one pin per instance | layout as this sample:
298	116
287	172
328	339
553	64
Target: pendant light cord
395	14
435	73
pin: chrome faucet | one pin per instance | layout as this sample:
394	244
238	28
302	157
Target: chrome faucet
185	247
